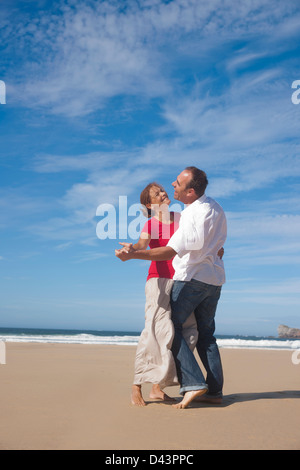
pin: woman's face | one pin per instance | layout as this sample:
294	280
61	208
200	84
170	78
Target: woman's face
159	196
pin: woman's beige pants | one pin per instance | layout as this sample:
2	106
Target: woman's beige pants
154	361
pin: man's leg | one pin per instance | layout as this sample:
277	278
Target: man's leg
206	346
183	303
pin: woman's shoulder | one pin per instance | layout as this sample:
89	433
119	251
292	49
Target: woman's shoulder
147	225
152	222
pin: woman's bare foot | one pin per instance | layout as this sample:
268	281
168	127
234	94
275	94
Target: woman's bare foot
136	396
189	397
157	394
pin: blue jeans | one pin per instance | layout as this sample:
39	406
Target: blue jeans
202	299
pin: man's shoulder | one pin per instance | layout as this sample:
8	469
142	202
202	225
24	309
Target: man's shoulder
213	203
208	205
204	204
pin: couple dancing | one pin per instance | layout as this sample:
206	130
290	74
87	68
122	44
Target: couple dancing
182	291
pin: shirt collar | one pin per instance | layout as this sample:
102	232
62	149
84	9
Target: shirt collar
202	198
199	200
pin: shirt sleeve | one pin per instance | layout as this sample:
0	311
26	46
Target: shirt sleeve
189	236
176	241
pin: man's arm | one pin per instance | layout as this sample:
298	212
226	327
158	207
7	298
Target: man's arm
162	253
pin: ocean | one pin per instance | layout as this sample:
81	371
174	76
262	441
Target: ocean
129	338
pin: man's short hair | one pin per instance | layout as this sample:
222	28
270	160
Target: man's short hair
198	182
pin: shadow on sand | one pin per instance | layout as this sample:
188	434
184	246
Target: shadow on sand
229	400
245	397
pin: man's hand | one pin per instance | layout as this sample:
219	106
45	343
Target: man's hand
123	255
221	252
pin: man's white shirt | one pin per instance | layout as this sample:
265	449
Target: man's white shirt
202	232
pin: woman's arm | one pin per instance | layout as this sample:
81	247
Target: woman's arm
161	253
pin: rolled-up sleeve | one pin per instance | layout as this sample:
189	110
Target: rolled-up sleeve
189	237
177	241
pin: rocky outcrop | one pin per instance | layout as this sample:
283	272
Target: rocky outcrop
287	332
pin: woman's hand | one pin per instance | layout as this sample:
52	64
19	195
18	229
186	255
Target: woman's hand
124	253
127	248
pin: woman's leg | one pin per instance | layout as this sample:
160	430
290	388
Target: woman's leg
154	361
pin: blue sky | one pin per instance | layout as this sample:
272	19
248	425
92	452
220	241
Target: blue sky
103	97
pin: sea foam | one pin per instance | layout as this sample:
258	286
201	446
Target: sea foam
128	339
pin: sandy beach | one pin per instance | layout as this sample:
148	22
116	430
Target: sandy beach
77	397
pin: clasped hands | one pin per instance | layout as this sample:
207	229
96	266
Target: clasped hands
124	254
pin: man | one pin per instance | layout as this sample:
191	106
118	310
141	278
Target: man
199	276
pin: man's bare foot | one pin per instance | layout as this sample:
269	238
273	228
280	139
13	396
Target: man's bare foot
189	397
136	396
157	394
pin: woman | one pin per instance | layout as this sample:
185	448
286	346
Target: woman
154	361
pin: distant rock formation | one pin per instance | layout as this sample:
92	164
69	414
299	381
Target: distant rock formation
287	332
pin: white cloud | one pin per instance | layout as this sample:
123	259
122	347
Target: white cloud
107	176
97	51
279	288
257	224
95	161
248	113
17	204
87	53
259	239
242	58
63	246
90	256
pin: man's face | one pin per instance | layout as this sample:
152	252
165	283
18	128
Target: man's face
180	191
